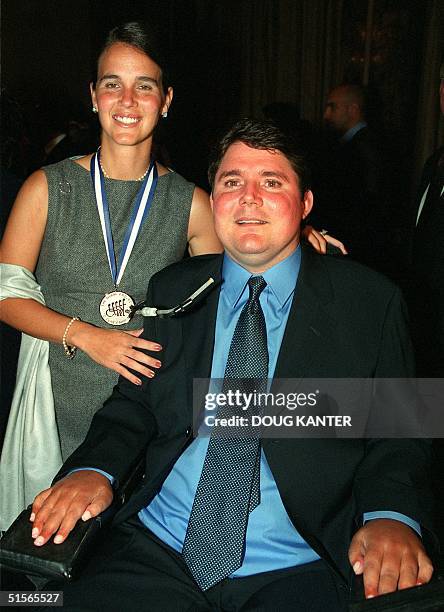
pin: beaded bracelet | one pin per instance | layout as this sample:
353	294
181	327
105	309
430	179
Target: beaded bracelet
70	351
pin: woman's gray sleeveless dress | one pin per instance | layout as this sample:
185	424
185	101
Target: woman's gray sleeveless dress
74	274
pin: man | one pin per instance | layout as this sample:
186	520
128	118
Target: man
352	191
345	111
427	272
426	290
277	311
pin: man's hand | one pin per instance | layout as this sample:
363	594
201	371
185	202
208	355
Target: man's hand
319	240
82	494
390	555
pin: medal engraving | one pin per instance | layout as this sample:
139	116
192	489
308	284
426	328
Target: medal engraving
115	308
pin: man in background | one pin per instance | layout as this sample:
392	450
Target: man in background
427	271
426	292
351	197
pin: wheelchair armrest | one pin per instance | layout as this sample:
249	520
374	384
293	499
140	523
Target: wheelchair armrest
425	598
19	554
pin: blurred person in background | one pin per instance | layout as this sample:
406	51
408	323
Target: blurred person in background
351	195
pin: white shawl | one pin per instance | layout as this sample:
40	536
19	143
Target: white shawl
31	453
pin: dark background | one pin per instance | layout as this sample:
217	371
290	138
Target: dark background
229	58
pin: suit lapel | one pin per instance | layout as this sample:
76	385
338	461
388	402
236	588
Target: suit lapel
431	179
307	323
198	329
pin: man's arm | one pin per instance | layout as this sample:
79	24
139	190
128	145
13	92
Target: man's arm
393	476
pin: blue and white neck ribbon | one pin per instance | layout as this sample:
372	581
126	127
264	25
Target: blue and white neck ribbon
139	213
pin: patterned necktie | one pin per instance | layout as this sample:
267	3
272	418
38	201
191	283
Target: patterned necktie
228	489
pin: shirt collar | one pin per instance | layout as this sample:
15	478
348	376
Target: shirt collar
280	278
353	130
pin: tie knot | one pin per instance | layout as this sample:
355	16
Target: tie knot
256	285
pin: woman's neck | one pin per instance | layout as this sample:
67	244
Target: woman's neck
125	162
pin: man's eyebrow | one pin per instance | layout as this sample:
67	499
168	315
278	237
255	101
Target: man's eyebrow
276	174
234	172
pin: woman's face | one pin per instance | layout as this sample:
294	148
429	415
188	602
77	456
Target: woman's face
128	95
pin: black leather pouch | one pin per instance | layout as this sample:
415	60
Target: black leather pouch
18	552
62	561
425	598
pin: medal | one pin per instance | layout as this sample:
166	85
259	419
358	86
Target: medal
116	306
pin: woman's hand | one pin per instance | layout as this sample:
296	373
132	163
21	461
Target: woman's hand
115	349
319	240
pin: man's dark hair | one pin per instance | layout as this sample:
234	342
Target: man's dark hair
142	37
260	134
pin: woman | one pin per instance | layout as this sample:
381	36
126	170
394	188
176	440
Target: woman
80	226
55	231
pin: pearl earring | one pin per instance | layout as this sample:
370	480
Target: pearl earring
165	115
94	109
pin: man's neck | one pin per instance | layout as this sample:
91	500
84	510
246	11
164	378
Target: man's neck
261	268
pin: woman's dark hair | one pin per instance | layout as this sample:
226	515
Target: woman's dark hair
142	37
260	134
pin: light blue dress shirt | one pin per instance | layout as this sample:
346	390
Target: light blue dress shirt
272	542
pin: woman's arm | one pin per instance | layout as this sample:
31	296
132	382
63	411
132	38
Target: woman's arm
21	244
202	238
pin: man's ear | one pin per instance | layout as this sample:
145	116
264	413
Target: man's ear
307	203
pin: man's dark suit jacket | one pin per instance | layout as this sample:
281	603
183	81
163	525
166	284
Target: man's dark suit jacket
345	321
426	303
352	198
426	296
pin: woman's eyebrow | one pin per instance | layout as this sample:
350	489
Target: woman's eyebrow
144	78
148	79
108	76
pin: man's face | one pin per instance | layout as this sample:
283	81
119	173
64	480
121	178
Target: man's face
337	113
257	206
